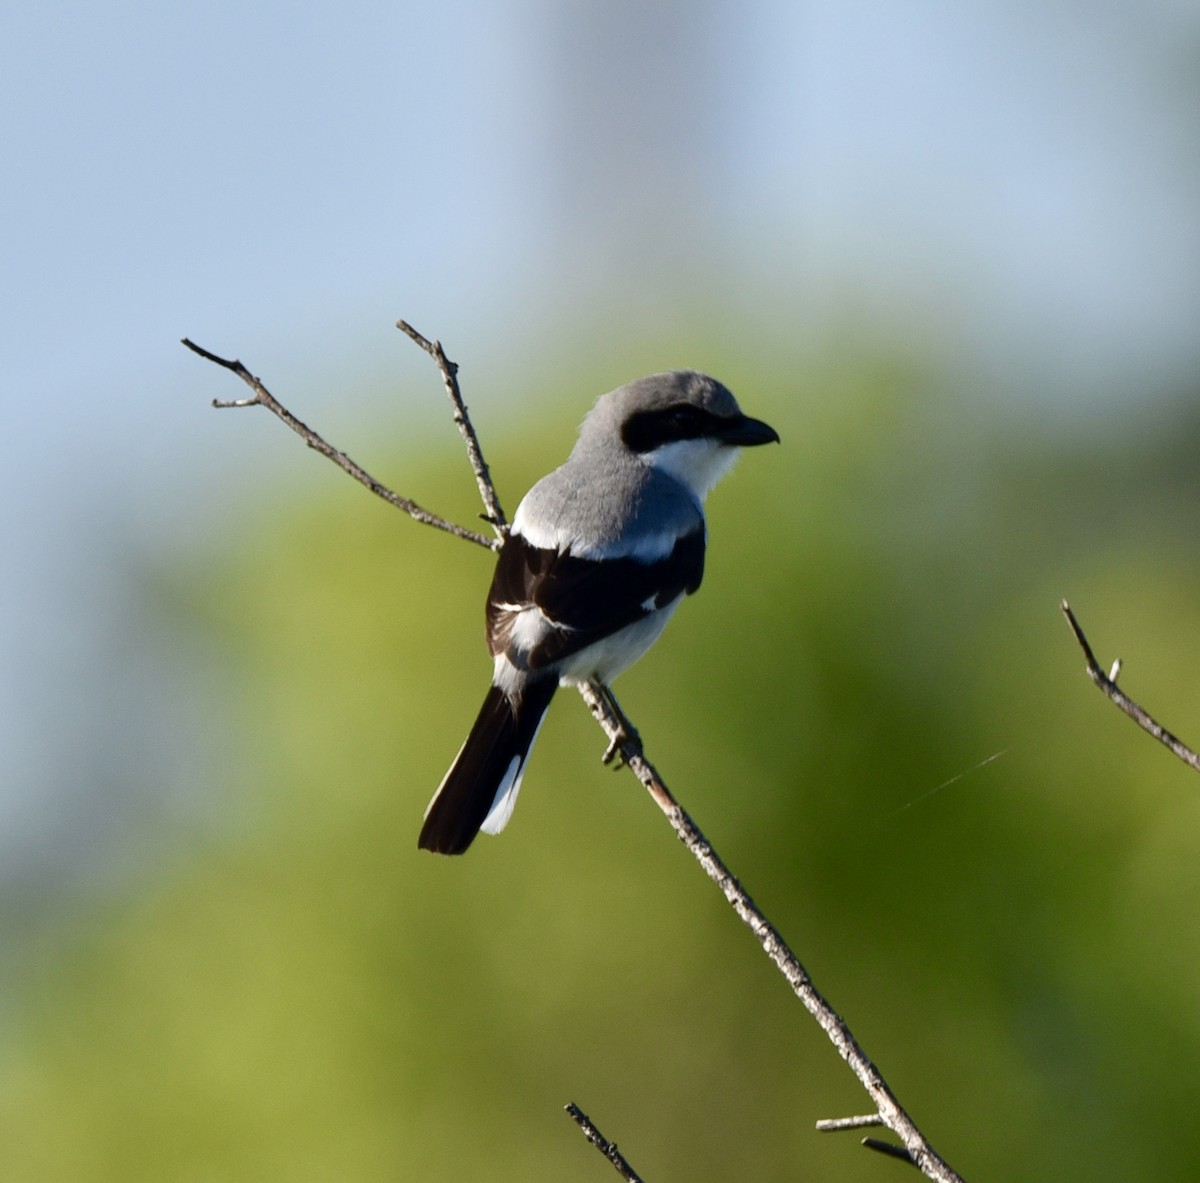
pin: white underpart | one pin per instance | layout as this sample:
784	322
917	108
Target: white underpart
696	464
612	655
505	799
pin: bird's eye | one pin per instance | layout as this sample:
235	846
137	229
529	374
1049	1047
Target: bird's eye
647	430
685	420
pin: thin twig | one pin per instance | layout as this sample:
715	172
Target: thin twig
483	477
623	737
607	1148
832	1125
1108	685
263	398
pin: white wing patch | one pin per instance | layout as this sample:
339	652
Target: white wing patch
530	627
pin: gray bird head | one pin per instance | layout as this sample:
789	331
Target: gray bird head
682	422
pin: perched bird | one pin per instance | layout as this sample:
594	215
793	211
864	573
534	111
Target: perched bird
599	556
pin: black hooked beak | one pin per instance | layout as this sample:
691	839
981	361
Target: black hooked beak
745	432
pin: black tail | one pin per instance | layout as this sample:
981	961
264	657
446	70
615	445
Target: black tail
488	767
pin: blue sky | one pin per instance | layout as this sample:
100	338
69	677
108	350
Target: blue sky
281	182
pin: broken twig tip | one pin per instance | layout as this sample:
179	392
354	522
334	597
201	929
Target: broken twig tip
1107	684
601	1143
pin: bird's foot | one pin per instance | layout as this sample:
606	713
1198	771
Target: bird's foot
626	741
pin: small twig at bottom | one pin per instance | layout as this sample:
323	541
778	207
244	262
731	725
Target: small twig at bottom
602	705
831	1125
1108	685
601	1143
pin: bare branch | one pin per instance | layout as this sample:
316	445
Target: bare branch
263	398
1108	685
623	739
483	477
607	1148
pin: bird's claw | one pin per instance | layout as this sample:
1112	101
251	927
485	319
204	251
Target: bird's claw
625	743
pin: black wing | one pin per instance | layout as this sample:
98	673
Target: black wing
584	599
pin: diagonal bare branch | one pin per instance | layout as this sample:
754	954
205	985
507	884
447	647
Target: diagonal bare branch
623	738
262	397
624	741
1119	698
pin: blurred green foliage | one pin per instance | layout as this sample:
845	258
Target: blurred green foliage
872	708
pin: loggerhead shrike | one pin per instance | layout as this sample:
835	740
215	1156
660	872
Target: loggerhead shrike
599	555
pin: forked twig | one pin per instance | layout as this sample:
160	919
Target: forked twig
1108	685
831	1125
601	1143
624	740
263	398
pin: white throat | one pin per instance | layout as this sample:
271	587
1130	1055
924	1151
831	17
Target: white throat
695	464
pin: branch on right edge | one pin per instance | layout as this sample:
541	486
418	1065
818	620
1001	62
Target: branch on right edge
1108	686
